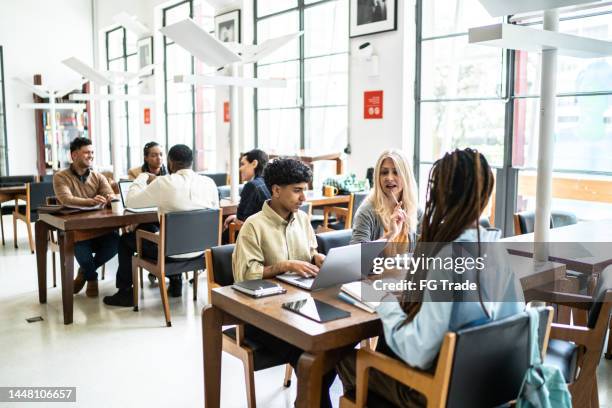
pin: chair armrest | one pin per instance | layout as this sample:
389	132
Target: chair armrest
577	334
234	227
147	235
399	371
564	299
142	235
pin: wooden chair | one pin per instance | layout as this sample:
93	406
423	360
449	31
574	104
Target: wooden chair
254	356
9	209
36	194
344	216
234	227
180	233
480	366
577	349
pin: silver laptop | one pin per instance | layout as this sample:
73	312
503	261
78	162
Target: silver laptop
342	265
124	187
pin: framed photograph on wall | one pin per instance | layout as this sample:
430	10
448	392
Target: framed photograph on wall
227	26
145	52
372	16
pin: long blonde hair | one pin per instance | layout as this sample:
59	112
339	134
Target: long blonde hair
409	190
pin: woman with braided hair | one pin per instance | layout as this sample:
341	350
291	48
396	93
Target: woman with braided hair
459	187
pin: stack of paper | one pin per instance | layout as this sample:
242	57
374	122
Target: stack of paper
354	293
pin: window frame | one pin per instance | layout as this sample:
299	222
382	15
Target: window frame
301	107
4	170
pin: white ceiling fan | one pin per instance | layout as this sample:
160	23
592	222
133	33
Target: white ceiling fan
115	81
214	53
53	95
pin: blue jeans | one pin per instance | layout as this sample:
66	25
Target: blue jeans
104	248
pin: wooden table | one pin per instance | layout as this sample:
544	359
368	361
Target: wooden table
594	236
10	193
323	343
82	223
319	200
310	156
67	226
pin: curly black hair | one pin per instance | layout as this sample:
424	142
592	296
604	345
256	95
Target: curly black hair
283	172
79	142
181	155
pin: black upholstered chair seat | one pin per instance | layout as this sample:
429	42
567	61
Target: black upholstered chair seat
9	208
563	354
263	357
175	266
333	239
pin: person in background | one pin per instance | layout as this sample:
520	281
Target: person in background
79	185
181	190
459	188
153	162
254	193
389	213
279	239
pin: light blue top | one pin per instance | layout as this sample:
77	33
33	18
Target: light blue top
418	342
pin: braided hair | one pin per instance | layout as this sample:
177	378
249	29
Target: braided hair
458	190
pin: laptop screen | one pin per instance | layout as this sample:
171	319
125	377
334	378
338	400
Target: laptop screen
124	187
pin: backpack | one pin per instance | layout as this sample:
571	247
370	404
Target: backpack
543	385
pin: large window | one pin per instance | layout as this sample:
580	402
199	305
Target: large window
311	112
487	98
189	109
3	138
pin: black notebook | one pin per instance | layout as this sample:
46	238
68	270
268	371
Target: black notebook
258	288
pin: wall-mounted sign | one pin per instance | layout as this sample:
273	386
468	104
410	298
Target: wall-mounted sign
226	112
373	105
147	116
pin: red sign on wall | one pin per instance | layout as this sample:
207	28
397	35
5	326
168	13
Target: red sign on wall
226	112
147	116
373	105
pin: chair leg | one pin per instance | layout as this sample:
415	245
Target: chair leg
195	285
135	285
29	227
103	271
15	231
249	379
609	350
164	296
288	373
595	395
53	265
2	228
187	276
141	280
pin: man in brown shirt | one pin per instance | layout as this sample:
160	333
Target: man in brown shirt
79	185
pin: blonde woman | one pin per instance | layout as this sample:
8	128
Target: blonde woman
390	211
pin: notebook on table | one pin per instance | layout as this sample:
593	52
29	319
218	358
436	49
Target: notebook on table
258	288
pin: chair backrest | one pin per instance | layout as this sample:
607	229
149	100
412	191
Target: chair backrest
225	191
38	195
333	239
490	361
221	268
220	179
604	285
191	231
307	208
7	181
47	178
358	199
525	220
562	219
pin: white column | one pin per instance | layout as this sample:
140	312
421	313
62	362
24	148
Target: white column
548	93
53	140
234	137
115	135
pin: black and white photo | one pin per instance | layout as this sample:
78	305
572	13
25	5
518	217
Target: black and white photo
372	16
227	26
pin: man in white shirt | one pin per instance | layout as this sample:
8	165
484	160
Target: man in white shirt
181	190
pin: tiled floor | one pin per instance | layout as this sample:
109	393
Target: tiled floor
119	358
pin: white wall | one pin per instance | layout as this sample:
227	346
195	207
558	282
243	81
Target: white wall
36	35
395	50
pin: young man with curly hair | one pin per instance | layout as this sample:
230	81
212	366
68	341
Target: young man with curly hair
279	239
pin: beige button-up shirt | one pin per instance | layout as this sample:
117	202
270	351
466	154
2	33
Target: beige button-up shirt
266	239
